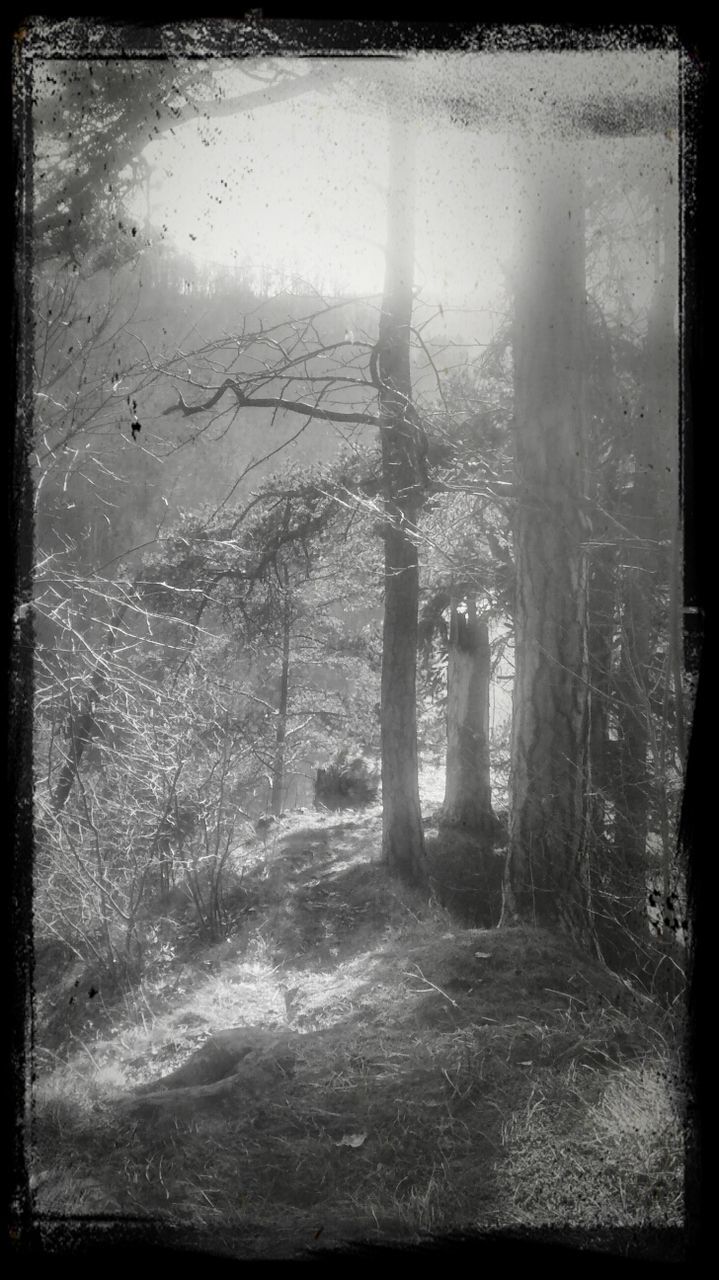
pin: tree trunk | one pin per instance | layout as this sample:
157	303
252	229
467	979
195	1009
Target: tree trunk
652	502
638	575
601	585
278	771
632	783
83	725
402	837
545	875
468	795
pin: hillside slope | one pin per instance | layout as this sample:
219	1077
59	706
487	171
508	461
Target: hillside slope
350	1064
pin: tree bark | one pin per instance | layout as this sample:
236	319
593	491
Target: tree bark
545	878
468	793
402	837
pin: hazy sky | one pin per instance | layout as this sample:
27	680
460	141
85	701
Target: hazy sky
302	183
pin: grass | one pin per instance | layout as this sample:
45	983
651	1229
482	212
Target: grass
615	1158
434	1077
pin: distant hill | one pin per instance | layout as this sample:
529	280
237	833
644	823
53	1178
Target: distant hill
118	464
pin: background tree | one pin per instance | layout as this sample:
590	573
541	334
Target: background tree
469	572
340	397
468	795
545	875
159	731
636	719
92	158
403	450
403	478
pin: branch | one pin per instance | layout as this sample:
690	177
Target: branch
271	402
282	91
128	132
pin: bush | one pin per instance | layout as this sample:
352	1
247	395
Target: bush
345	784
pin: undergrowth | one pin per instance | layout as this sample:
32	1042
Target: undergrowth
435	1078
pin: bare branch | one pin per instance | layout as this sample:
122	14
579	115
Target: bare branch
272	402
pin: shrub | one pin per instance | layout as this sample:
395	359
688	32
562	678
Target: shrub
345	784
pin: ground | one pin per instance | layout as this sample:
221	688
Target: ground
348	1064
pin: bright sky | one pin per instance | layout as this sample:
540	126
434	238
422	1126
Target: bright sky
302	184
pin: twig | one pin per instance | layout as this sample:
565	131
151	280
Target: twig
433	985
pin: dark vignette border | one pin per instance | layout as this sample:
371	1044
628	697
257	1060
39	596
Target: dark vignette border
255	34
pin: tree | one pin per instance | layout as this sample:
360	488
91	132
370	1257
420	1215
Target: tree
155	729
636	731
80	202
86	445
468	573
270	575
131	105
402	434
295	348
83	724
653	428
545	878
122	767
468	795
402	440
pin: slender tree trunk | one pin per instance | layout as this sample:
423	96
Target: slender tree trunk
637	595
632	782
468	794
81	731
600	649
663	372
546	874
278	771
402	839
83	725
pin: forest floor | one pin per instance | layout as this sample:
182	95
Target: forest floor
348	1065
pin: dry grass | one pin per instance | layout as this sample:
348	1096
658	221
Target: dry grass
615	1161
441	1077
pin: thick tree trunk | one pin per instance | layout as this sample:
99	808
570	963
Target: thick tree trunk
403	840
468	793
652	503
653	518
545	878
